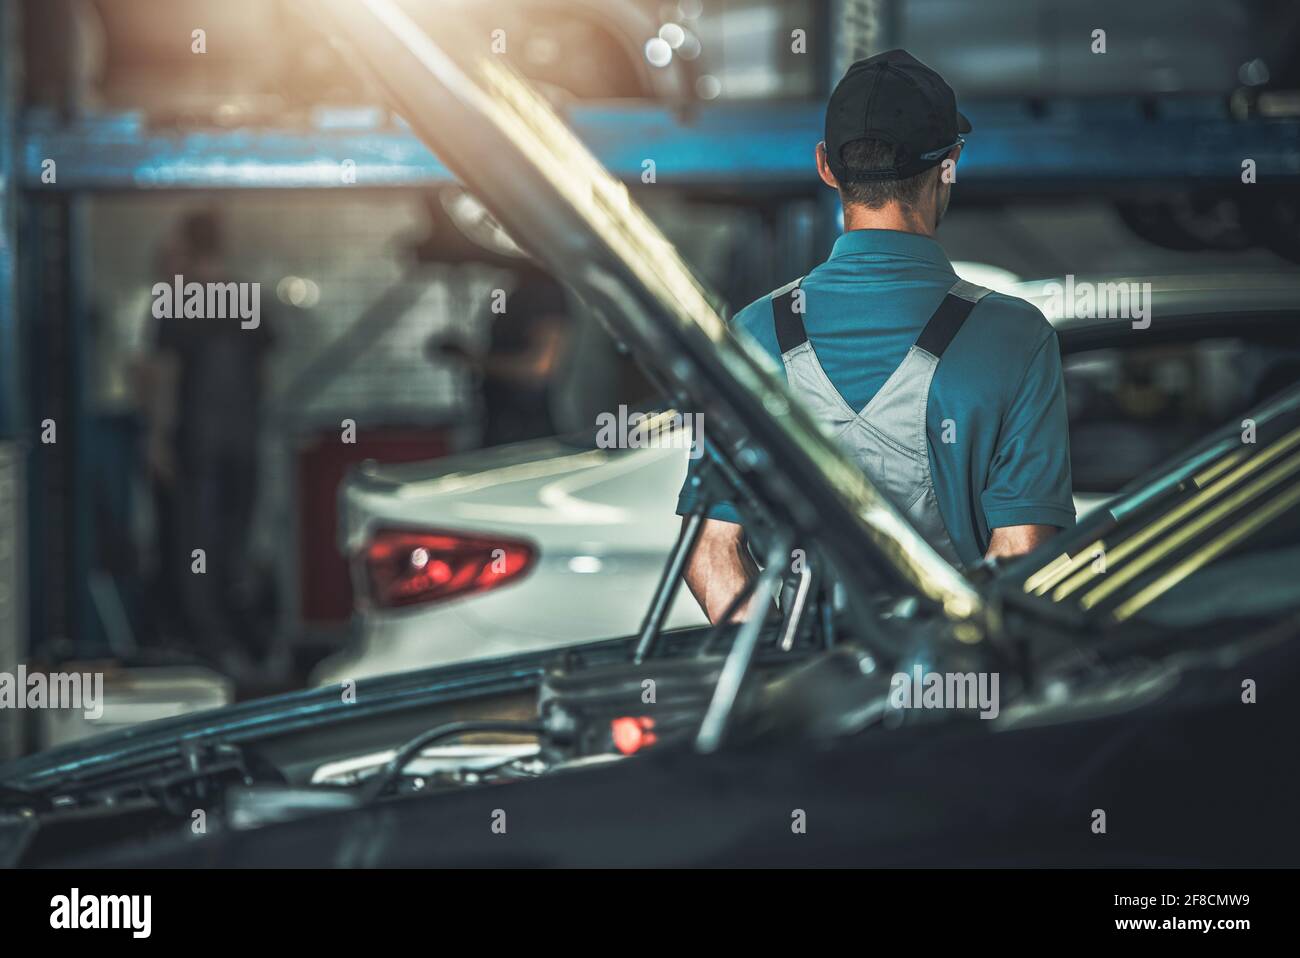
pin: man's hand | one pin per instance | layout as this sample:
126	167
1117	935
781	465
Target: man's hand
719	569
1011	541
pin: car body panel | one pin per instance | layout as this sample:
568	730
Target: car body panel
602	519
1018	803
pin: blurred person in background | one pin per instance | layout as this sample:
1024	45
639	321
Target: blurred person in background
526	346
531	323
201	391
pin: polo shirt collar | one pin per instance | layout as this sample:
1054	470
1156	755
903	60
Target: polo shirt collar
891	243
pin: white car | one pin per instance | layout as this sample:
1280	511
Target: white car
526	546
552	542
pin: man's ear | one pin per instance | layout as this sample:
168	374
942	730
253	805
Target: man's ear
824	168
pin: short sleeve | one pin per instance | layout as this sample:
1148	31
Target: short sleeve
689	495
1029	477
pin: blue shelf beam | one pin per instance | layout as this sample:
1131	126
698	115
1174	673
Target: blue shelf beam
1057	145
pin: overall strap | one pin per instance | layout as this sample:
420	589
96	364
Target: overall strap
788	321
947	319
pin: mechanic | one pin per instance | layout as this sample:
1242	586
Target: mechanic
202	388
950	397
530	339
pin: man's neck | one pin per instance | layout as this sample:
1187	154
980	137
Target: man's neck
891	217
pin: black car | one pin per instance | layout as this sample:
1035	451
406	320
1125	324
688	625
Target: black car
1123	692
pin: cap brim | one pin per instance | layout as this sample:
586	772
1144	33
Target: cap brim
963	124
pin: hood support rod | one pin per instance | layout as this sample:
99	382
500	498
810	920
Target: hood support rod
734	670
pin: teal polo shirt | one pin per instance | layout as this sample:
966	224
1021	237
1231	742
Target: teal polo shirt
998	431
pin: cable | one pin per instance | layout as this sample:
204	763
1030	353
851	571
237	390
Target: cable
393	770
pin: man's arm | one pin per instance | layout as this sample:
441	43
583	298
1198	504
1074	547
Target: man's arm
1028	493
719	569
1009	541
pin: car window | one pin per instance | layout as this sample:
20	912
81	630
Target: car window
1132	408
1211	537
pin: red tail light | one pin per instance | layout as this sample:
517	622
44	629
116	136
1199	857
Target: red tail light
408	567
632	733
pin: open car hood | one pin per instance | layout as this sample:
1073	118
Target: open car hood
167	745
507	145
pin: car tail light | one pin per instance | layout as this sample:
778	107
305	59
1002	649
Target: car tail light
410	567
631	733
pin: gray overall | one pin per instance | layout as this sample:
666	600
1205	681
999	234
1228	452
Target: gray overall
888	437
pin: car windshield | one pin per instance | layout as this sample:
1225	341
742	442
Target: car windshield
1212	537
504	141
1136	405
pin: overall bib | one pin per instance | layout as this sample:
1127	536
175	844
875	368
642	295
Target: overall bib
887	439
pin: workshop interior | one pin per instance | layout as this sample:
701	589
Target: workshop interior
357	358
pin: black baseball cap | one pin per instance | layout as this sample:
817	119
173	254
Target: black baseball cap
896	98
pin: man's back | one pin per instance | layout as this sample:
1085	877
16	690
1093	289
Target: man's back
966	428
996	412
